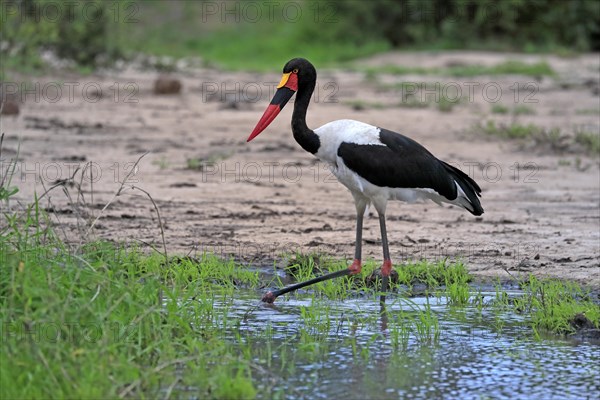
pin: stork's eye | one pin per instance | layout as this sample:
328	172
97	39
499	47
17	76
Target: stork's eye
295	70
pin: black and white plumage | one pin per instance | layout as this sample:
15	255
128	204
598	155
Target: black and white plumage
382	165
375	164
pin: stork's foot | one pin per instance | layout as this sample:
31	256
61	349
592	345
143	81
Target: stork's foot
268	297
355	268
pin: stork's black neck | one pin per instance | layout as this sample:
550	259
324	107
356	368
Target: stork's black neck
302	133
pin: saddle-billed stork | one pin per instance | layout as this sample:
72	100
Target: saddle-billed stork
375	164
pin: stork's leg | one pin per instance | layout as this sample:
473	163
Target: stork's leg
360	212
361	205
386	268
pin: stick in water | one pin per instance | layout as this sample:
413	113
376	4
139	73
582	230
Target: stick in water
270	296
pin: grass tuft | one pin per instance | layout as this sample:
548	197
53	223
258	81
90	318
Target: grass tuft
555	304
553	139
589	140
511	67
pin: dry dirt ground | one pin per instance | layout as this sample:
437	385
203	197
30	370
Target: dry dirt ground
262	199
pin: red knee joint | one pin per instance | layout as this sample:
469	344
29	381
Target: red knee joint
386	268
355	267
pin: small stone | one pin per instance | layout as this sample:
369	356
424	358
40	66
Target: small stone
9	107
167	85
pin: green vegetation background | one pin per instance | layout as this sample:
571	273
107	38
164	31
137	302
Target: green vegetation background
257	34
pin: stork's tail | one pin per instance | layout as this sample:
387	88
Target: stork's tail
471	192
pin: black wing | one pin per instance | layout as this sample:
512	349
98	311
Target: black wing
404	163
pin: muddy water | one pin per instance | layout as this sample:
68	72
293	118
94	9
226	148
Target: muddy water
315	348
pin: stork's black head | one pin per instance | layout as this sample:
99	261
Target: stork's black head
306	72
298	75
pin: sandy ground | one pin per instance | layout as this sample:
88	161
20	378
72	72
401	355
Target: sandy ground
259	200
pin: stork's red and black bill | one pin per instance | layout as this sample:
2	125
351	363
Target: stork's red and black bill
285	90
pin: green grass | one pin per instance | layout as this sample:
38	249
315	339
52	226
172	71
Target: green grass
233	41
412	102
237	50
522	109
306	266
587	111
261	45
505	68
510	131
107	320
185	30
237	36
556	303
359	105
515	111
201	163
414	320
420	99
432	274
450	279
500	109
162	162
445	104
111	321
552	305
589	140
553	139
415	95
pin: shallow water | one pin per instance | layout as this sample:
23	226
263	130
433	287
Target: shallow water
317	348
